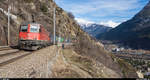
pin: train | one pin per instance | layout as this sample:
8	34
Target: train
33	36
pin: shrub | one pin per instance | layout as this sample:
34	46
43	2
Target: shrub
28	1
44	8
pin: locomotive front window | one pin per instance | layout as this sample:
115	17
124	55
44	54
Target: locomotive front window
24	28
34	28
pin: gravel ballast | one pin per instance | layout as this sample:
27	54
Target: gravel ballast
35	65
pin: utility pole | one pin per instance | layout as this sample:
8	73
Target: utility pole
8	24
54	18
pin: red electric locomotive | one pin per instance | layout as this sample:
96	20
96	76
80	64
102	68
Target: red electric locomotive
33	36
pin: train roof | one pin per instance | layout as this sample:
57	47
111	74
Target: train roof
26	23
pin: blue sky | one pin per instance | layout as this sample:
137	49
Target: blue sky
106	12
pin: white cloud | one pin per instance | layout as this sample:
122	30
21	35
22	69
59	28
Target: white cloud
103	5
83	21
110	24
102	9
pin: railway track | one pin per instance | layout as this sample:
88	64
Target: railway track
9	53
10	57
5	48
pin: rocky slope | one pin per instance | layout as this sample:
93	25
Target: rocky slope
95	29
85	46
135	32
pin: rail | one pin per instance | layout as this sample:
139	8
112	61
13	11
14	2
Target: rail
5	48
11	57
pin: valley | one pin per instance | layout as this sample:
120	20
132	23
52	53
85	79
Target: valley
139	59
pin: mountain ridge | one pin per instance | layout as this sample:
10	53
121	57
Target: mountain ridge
134	32
95	29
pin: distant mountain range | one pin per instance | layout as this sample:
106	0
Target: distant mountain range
134	32
95	29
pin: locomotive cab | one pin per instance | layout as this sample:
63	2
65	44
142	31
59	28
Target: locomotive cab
29	32
33	36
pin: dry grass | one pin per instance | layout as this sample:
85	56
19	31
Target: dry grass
67	73
84	63
127	69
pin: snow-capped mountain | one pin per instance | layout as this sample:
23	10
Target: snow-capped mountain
94	29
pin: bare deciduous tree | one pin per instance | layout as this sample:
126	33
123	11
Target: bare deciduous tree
70	14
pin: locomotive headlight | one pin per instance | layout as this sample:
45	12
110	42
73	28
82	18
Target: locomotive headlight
35	38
